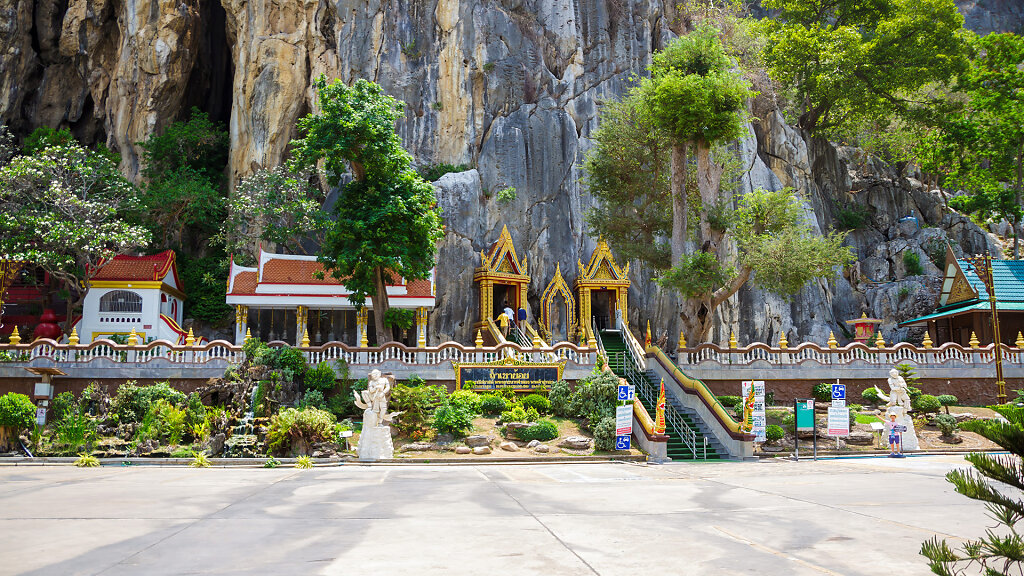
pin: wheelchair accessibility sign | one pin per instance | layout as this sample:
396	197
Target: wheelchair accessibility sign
622	442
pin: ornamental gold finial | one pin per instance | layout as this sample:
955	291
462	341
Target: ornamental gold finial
305	339
682	340
659	419
479	339
647	336
732	340
927	342
974	340
248	334
190	339
832	342
133	338
15	337
73	339
879	341
364	342
1020	341
783	343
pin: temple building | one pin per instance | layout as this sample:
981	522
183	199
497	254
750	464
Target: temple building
286	297
964	306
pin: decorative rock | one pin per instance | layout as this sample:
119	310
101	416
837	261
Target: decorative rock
509	447
416	447
481	450
217	444
463	450
963	416
512	427
533	443
553	449
375	443
576	443
477	440
542	449
861	438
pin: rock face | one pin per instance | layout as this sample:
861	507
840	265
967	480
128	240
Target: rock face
509	87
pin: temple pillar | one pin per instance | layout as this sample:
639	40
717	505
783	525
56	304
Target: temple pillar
361	320
421	327
486	299
241	323
301	314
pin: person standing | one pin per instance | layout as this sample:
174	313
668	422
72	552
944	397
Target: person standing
505	318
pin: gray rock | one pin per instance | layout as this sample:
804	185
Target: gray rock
542	449
861	438
532	443
463	450
509	447
481	450
576	443
217	444
477	440
416	447
512	428
964	416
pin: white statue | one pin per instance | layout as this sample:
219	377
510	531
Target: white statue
375	438
898	404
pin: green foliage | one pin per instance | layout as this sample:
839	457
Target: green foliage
17	412
729	401
851	217
538	402
542	430
595	398
452	418
515	413
697	274
491	404
342	404
168	421
467	399
506	194
199	460
196	424
947	400
870	395
203	278
87	461
403	318
292	360
320	377
926	403
131	403
774	433
417	404
532	415
44	137
303	462
312	399
788	420
198	144
271	462
75	430
912	262
560	398
822	392
63	404
946	424
310	425
434	172
604	434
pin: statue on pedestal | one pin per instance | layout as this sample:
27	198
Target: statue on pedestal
898	404
375	438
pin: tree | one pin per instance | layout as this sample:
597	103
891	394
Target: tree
997	552
387	221
847	60
273	206
66	209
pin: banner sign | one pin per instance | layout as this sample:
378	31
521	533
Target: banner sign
754	410
508	373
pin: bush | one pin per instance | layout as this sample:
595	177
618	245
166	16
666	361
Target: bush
926	403
532	415
822	392
75	430
912	262
729	401
514	414
196	424
291	359
774	433
541	404
342	403
948	400
62	405
595	398
169	421
559	398
312	399
290	425
788	420
870	395
604	434
542	430
491	404
131	403
452	418
17	412
87	461
946	424
303	462
417	403
320	377
467	399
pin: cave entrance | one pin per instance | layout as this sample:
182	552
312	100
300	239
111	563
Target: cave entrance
210	82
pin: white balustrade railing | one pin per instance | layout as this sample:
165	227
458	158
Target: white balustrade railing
857	353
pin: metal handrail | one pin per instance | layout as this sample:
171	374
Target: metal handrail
597	336
636	351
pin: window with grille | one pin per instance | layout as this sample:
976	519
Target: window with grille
121	301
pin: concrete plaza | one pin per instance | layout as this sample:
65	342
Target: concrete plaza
864	516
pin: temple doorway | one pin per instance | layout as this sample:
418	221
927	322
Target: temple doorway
505	293
602	308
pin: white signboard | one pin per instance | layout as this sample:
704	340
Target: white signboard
624	420
41	416
758	419
838	421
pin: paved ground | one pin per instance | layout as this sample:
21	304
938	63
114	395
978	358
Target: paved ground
866	516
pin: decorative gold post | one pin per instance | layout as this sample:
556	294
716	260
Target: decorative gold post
190	339
879	341
361	321
305	339
832	342
783	343
421	327
659	420
9	270
73	339
1020	340
927	342
479	339
974	342
133	338
983	268
15	337
732	340
682	340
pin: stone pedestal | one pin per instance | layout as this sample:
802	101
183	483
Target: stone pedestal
375	444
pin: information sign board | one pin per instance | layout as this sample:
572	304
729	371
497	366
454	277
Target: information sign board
754	410
507	374
624	420
626	393
622	442
805	415
839	391
838	421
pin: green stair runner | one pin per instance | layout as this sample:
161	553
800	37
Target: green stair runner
615	347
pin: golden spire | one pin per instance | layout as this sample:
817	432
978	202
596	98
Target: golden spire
305	338
832	342
879	341
15	337
647	336
133	338
1020	341
783	343
682	340
190	340
974	340
479	339
659	419
248	334
927	342
73	339
732	340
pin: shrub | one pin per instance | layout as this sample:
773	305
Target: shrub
491	404
303	462
169	421
788	420
199	460
542	430
870	395
433	172
320	377
912	262
541	404
514	414
87	461
822	392
774	433
947	400
926	403
452	418
17	412
196	424
62	405
595	398
271	462
289	425
291	359
417	403
559	397
532	415
312	399
946	424
131	403
604	434
466	399
729	401
75	430
342	404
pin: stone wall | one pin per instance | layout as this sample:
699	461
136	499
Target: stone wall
969	391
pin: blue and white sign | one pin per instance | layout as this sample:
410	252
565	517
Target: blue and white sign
625	393
622	442
839	391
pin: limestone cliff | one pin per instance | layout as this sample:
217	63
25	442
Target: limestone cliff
511	87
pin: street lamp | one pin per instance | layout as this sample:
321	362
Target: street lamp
982	264
9	270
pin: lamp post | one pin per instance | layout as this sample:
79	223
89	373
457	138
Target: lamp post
9	270
982	264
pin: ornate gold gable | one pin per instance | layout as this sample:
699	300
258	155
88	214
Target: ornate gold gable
955	287
601	273
501	258
555	287
500	266
602	267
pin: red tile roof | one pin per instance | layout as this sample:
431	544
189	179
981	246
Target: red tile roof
282	271
138	268
245	283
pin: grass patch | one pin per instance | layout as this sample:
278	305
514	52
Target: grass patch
867	418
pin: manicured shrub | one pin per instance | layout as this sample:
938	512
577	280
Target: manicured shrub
491	404
452	418
291	425
946	424
729	401
604	434
774	433
947	400
541	404
312	399
542	430
822	392
595	398
417	404
132	402
926	403
62	405
532	415
320	377
17	412
870	396
514	414
559	397
291	359
467	399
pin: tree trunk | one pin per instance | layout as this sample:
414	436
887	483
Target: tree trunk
380	307
709	177
1020	199
698	313
679	203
